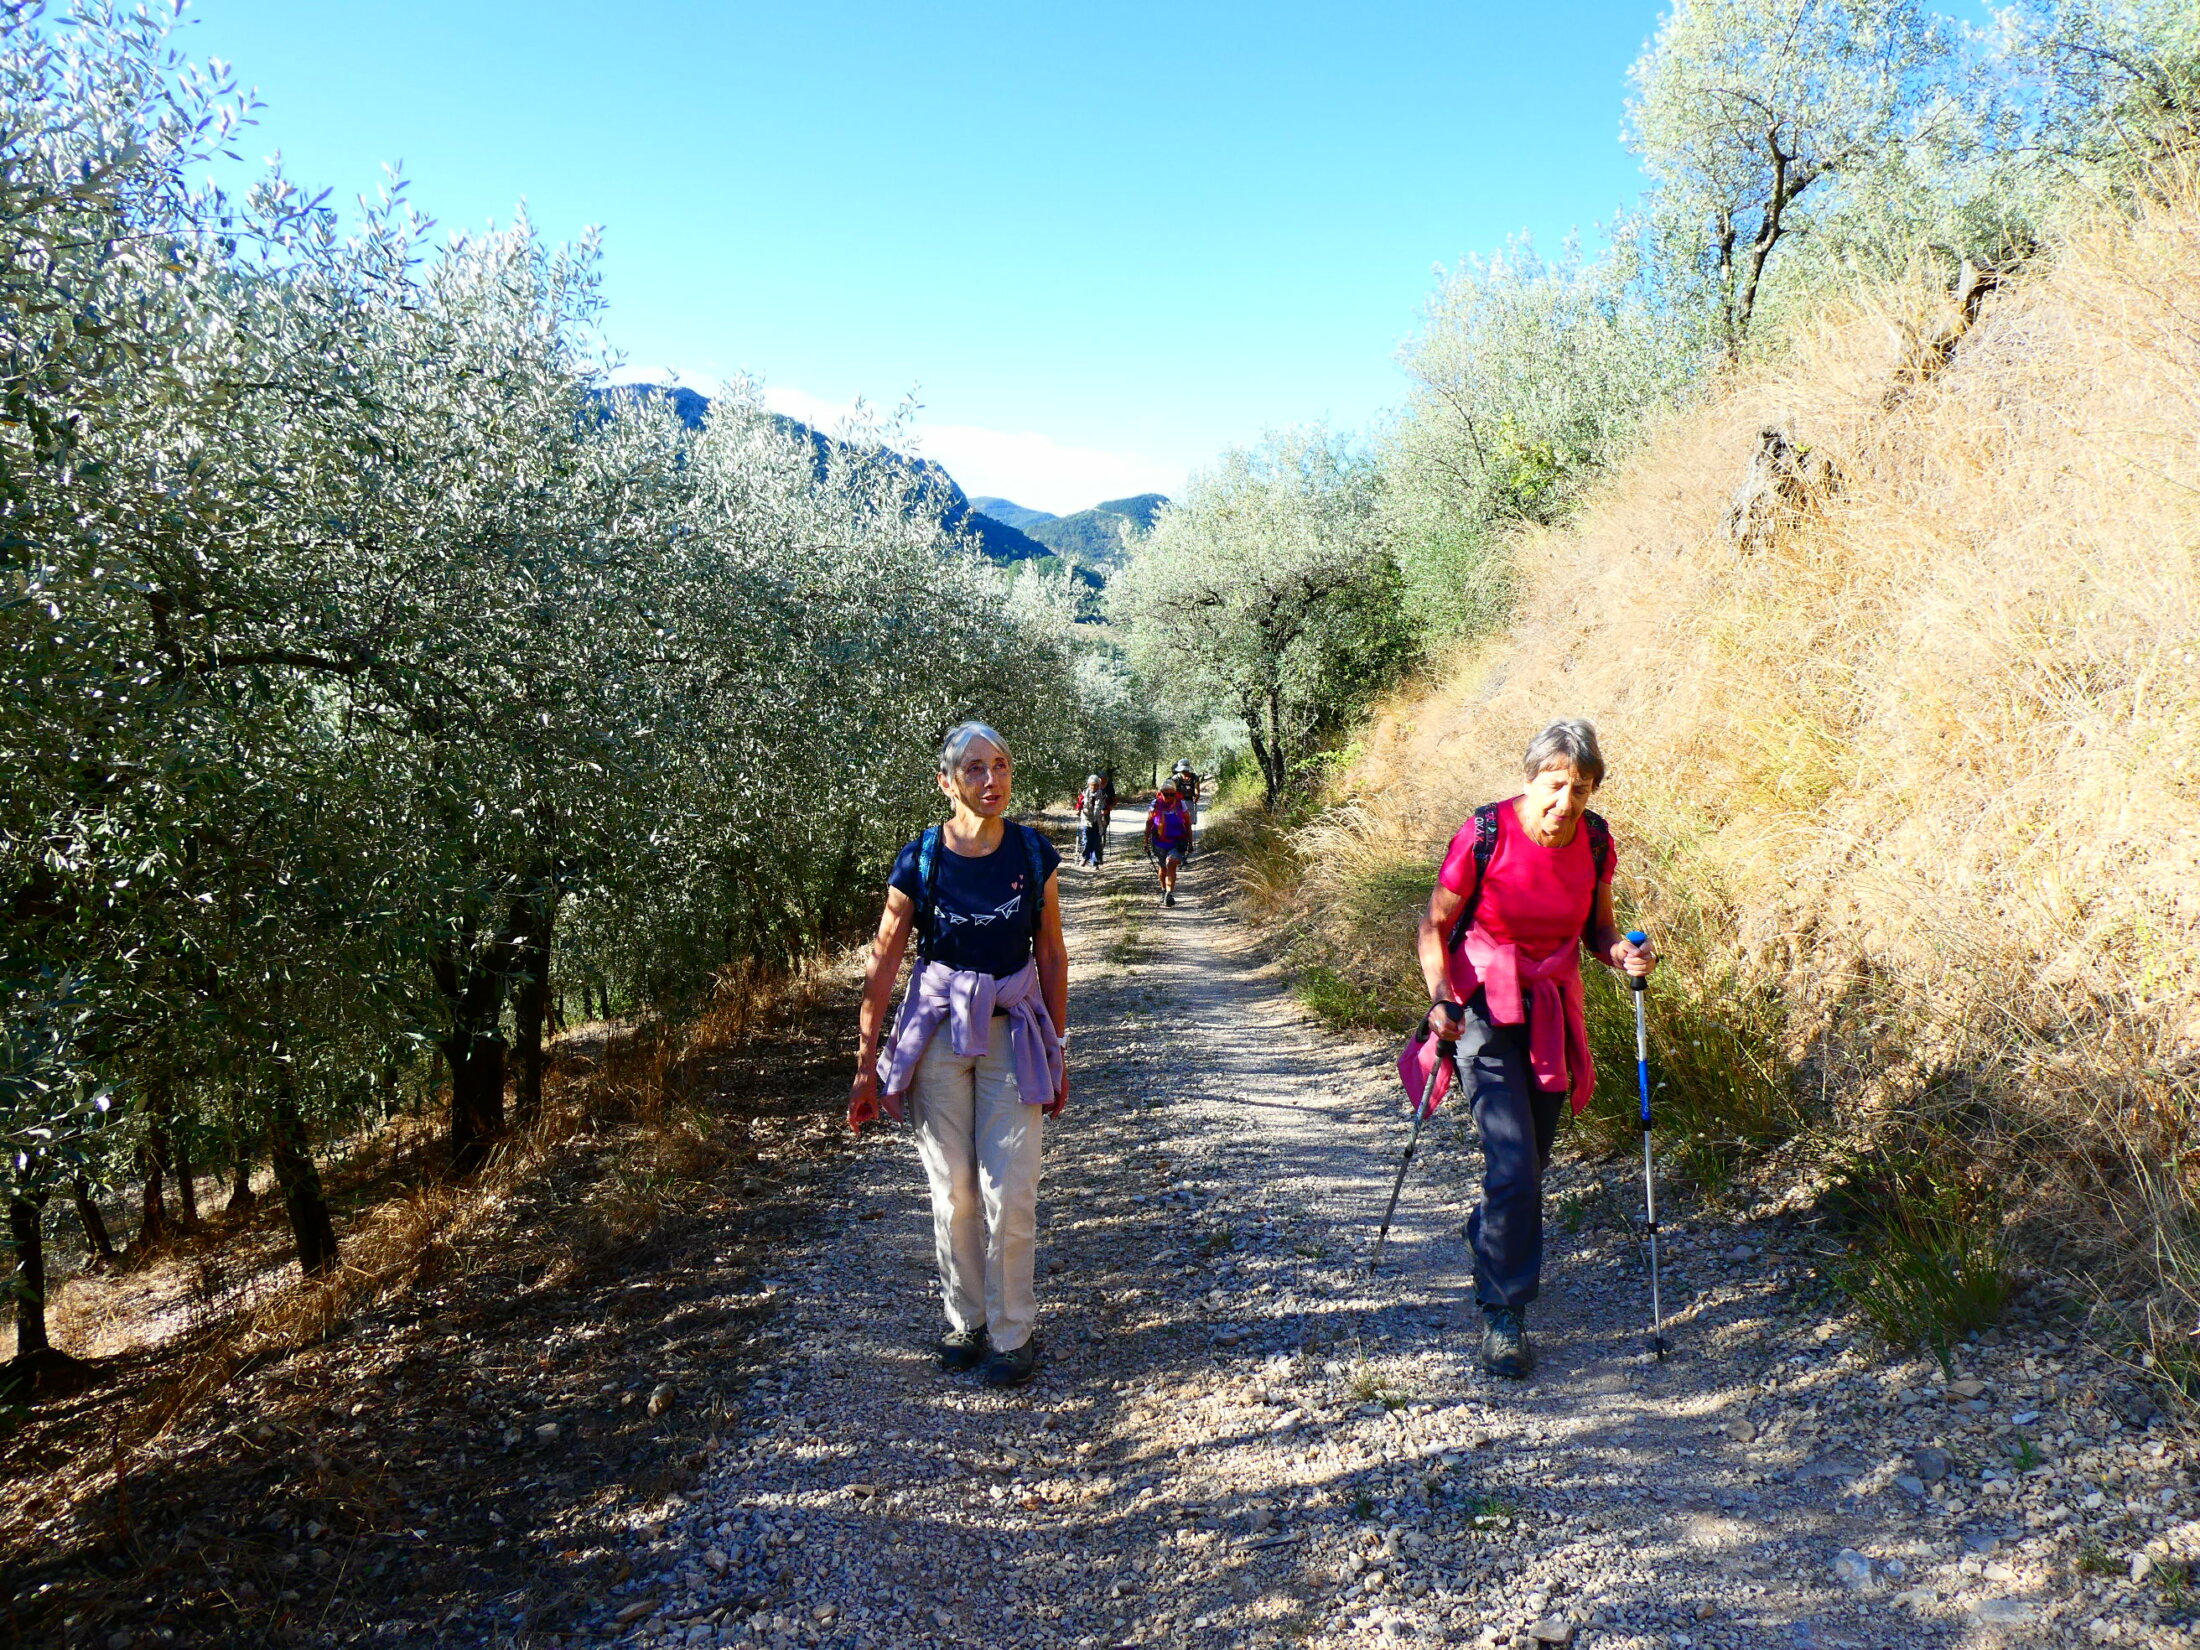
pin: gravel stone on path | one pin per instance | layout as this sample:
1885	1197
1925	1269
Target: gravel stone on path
1241	1436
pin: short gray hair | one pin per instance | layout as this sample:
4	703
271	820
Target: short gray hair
962	736
1571	743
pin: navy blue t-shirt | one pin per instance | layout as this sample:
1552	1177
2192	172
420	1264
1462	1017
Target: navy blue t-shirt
984	922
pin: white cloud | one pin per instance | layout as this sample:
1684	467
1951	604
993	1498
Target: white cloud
1039	472
1033	469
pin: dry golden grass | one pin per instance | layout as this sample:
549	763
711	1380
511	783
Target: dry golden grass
646	1082
1924	762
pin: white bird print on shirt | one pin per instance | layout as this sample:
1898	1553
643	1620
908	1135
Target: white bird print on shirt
982	919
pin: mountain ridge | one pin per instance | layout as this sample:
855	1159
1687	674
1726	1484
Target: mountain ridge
1000	541
1094	538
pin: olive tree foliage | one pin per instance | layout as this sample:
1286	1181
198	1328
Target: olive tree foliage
2100	88
1529	379
819	634
1748	113
352	640
1802	146
1797	148
1268	593
1128	730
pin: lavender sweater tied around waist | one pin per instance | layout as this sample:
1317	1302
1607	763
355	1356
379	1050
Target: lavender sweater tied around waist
966	1000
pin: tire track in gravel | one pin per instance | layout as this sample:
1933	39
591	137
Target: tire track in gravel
1240	1435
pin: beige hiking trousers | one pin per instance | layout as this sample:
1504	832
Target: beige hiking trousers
980	1146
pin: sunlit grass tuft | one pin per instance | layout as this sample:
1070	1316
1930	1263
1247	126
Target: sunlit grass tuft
1928	1262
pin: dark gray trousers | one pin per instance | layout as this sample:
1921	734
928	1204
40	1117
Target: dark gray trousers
1518	1122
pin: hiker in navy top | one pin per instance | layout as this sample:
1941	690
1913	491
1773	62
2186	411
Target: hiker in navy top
983	905
977	1048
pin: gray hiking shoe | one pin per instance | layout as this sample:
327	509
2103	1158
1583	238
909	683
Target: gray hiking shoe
1012	1368
1505	1349
962	1349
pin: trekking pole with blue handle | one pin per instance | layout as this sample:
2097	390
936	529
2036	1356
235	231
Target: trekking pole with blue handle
1640	986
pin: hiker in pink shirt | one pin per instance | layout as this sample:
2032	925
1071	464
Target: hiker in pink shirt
1525	888
1168	835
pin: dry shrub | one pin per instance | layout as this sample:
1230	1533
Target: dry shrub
1264	863
1921	760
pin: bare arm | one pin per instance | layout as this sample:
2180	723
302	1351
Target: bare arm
1612	948
884	968
1443	910
1051	953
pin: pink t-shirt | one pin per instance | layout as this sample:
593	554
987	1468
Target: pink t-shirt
1534	897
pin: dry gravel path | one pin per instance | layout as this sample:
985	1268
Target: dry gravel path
1243	1437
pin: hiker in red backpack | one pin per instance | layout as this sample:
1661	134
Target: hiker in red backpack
1525	888
1168	834
977	1047
1187	790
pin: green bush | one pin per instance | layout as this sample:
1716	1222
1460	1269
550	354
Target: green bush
1927	1261
1721	1085
1342	1002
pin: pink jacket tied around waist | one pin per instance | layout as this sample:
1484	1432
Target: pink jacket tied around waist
1558	1027
965	1000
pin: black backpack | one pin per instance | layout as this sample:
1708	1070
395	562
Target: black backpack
1485	845
928	885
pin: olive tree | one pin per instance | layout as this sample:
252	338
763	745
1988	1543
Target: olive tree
1529	378
2102	84
1746	113
1268	593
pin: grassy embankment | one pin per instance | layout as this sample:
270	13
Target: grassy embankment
1906	781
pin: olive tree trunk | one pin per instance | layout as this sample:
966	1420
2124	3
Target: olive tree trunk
290	1151
534	924
96	1237
27	1238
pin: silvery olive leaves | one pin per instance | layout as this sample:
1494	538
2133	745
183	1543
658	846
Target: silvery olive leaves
362	659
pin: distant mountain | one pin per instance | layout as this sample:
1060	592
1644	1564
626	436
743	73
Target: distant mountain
1010	513
1095	538
1000	540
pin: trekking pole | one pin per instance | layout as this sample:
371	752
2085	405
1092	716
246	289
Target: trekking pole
1640	986
1449	1054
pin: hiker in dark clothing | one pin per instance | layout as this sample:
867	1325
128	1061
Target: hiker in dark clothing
1094	806
1187	791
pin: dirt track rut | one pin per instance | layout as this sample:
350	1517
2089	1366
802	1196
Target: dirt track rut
1243	1437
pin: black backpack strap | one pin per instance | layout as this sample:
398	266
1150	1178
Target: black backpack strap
1600	856
1038	864
1485	847
928	890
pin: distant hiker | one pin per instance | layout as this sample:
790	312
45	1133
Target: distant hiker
977	1047
1525	887
1094	805
1187	789
1168	833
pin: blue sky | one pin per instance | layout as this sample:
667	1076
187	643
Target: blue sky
1100	242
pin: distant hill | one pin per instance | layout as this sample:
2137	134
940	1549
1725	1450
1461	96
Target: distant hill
1010	513
1094	538
1000	540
